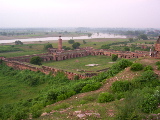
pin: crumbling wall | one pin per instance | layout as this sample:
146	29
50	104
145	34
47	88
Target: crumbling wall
45	69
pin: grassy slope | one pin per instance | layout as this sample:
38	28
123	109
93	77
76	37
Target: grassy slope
13	90
84	103
87	103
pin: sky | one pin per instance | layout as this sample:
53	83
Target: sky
80	13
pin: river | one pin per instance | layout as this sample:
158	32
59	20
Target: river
95	35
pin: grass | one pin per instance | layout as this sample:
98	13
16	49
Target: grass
79	63
13	90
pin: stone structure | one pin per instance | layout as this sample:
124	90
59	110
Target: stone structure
59	43
156	51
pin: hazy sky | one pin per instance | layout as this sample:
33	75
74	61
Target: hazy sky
80	13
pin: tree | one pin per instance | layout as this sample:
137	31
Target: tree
114	57
36	60
71	41
18	42
143	36
76	45
47	46
66	48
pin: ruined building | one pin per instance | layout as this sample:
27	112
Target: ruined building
156	51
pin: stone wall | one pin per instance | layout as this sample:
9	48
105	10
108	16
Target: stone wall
45	69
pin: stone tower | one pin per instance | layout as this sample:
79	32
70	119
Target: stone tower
59	43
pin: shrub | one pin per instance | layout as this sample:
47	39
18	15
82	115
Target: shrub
78	87
91	87
120	86
148	68
105	97
136	67
158	63
149	103
36	60
114	57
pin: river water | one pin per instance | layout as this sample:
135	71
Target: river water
95	35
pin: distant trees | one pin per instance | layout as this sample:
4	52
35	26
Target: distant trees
36	60
89	34
143	37
18	42
76	45
71	41
47	46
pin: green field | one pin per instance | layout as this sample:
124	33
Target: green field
75	64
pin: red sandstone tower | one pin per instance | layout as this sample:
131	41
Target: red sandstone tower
59	43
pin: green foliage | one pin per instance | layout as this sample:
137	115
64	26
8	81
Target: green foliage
8	48
136	67
91	87
105	97
58	88
18	42
120	86
126	48
66	48
47	46
76	77
143	37
76	45
158	63
71	41
148	67
114	57
105	47
36	60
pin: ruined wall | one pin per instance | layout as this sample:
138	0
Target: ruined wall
45	69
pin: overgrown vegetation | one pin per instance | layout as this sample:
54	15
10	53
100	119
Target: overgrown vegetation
58	88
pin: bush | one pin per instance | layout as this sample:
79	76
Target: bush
36	60
114	57
91	87
148	68
158	63
136	67
120	86
105	97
